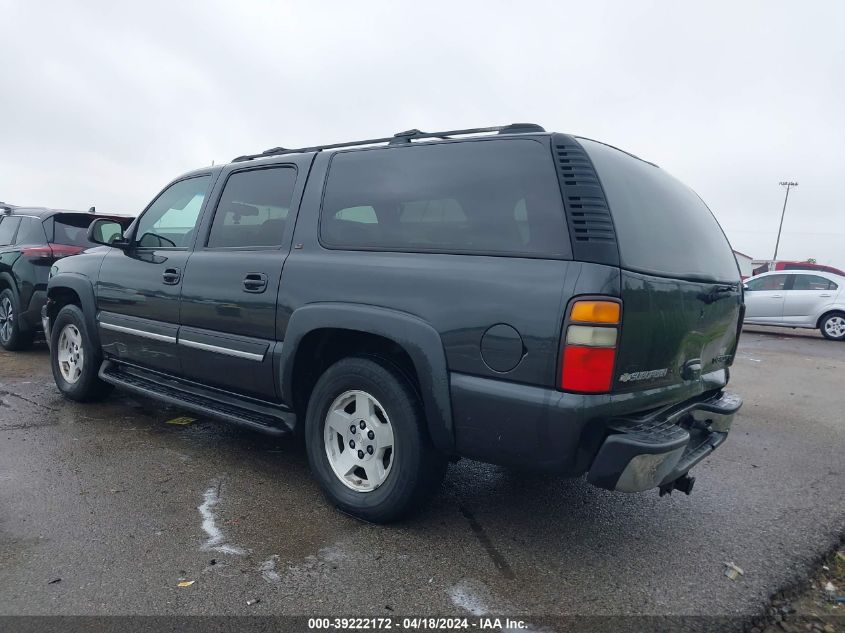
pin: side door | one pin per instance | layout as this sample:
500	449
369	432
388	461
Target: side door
808	296
138	287
228	307
764	297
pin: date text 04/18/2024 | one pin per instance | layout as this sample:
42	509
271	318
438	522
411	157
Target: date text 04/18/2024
412	623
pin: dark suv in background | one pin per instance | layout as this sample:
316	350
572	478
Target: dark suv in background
31	240
504	294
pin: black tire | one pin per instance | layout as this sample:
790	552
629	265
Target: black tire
417	468
12	337
826	326
88	386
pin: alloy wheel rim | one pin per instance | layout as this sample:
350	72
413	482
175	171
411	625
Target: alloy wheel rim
835	326
358	439
70	355
7	319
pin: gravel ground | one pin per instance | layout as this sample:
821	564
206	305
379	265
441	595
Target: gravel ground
816	603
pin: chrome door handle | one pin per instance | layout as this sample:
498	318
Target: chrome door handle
776	297
825	295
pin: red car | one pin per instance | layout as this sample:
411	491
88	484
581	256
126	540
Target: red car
766	267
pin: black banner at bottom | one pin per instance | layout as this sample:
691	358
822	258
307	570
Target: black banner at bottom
305	624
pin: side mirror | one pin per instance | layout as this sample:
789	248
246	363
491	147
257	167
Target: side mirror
107	232
745	287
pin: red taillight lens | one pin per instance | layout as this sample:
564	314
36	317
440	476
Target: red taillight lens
63	250
50	251
37	252
589	352
587	369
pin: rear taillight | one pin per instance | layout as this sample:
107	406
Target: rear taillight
63	250
589	348
50	251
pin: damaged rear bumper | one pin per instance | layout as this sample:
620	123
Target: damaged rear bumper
659	448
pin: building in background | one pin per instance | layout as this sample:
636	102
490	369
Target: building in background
745	263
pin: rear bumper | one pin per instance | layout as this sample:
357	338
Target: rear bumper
656	449
536	428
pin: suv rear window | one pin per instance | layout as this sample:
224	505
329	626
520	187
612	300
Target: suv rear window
497	197
662	226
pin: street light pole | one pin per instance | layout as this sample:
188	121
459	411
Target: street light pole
786	184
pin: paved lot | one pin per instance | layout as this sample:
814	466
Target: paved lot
121	506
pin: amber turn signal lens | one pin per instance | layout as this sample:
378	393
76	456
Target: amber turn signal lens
595	312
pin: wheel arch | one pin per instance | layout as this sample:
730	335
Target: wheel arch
65	289
25	332
7	282
406	334
829	311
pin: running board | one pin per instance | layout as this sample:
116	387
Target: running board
259	416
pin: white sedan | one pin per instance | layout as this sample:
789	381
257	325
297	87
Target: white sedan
797	298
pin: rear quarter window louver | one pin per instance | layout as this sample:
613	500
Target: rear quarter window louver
588	216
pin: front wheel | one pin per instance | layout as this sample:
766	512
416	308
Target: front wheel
367	442
833	327
73	358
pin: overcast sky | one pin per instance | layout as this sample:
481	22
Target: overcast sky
104	102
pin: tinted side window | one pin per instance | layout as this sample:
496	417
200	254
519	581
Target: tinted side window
662	226
8	229
769	282
812	282
31	231
171	219
496	197
253	208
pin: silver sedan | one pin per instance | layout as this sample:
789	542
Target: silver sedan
797	298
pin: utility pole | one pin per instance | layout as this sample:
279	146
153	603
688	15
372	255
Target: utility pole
788	185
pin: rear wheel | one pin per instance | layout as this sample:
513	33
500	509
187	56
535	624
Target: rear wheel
73	358
367	442
833	326
12	337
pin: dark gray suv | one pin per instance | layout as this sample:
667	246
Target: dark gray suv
503	294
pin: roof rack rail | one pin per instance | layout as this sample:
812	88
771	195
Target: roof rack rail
400	138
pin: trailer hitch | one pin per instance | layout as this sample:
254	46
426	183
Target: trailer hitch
684	483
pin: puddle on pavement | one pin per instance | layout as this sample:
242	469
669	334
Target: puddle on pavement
216	540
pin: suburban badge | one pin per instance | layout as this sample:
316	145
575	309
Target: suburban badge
643	375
